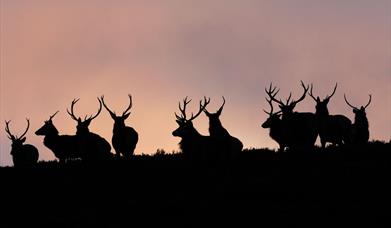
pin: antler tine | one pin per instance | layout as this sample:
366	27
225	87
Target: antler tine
370	99
7	129
302	96
183	110
51	117
289	98
332	94
71	112
25	132
272	93
130	105
311	94
347	102
271	107
107	108
97	114
202	107
221	108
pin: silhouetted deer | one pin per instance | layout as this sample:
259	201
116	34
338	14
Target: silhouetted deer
194	145
277	131
301	126
93	146
332	128
216	129
23	155
64	147
124	138
360	127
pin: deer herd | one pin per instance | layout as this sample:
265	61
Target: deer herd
292	130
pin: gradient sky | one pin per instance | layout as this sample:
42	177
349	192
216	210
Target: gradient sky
160	51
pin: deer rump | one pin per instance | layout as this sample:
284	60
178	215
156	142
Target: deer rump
93	147
301	130
26	155
335	129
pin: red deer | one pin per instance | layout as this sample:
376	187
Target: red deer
332	128
64	147
193	145
277	130
216	129
124	138
300	126
93	147
23	155
360	127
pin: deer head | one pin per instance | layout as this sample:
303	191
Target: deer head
186	127
82	125
213	117
359	112
48	127
321	105
288	107
119	121
273	117
16	141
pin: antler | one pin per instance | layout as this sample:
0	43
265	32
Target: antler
310	93
332	94
107	108
28	126
183	111
71	112
303	96
130	105
347	102
272	93
271	107
221	108
7	130
97	114
51	117
370	99
202	107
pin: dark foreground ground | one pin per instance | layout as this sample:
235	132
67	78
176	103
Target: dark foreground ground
332	188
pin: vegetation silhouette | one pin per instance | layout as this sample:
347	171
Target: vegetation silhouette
360	127
23	155
124	138
301	127
92	146
233	145
64	147
277	130
335	129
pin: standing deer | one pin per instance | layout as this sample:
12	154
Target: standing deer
277	131
360	127
64	147
216	129
194	145
93	146
332	128
124	138
23	155
301	127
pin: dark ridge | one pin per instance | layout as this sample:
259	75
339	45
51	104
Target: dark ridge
335	186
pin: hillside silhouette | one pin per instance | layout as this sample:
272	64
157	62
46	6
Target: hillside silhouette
342	186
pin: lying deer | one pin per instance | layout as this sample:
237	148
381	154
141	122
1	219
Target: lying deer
93	146
124	138
23	155
360	127
216	129
332	128
64	147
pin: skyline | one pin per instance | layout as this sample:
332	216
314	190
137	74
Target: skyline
54	51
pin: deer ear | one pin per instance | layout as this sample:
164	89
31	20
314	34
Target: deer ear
112	115
126	116
317	99
206	112
23	139
355	111
179	122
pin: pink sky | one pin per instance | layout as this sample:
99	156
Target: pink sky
54	51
